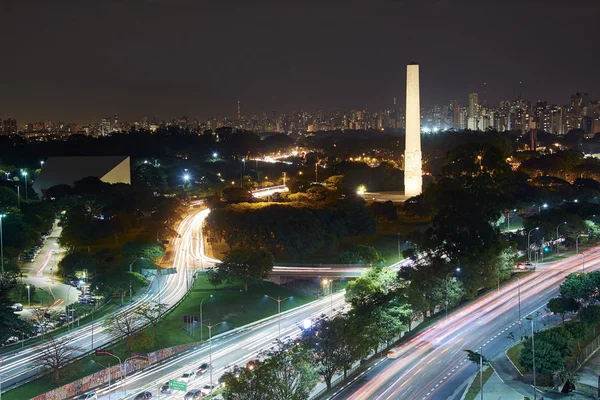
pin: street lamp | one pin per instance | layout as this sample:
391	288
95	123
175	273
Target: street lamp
528	243
210	347
577	242
1	244
533	355
201	326
24	173
28	295
94	361
544	206
278	300
41	164
325	283
508	219
559	225
448	278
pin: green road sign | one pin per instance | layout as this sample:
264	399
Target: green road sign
176	385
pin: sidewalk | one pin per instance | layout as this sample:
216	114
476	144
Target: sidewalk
505	384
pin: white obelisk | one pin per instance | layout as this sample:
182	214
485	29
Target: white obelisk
413	180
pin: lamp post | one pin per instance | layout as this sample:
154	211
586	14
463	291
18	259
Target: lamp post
278	300
94	361
1	244
316	172
577	242
508	219
448	278
519	298
325	283
202	326
121	364
42	164
28	295
399	253
559	225
528	243
24	173
533	355
545	205
210	348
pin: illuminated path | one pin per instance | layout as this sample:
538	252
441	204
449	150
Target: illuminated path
433	364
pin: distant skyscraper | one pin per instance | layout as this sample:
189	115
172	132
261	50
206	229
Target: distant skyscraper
473	105
239	116
105	126
8	126
413	174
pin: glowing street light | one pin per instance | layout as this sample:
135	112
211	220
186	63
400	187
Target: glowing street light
24	173
361	190
529	245
215	155
448	278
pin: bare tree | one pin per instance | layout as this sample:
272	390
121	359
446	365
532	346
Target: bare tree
54	354
151	312
124	324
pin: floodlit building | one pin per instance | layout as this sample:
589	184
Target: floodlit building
68	170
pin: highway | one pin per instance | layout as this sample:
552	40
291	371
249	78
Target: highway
16	366
228	349
433	364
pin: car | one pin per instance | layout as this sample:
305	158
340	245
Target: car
188	376
166	389
17	307
87	396
202	369
143	396
208	388
193	394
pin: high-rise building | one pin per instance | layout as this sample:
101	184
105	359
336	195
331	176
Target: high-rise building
105	126
473	105
9	126
413	173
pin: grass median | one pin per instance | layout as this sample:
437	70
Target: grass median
475	387
236	308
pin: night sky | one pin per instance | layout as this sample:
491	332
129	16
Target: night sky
80	60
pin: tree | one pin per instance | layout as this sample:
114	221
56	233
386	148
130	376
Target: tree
248	265
548	360
10	323
149	251
54	354
123	324
590	314
151	312
361	254
334	345
250	385
562	305
291	374
373	286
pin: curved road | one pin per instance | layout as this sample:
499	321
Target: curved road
433	364
17	366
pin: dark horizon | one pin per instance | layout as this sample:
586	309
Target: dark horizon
79	62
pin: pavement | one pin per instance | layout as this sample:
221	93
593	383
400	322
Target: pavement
590	371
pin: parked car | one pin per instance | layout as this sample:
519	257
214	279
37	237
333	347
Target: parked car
87	396
17	307
188	376
202	369
143	396
193	394
208	388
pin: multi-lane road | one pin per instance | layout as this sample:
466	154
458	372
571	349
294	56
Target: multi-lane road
17	366
433	364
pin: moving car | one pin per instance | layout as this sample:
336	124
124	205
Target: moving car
143	396
202	369
193	394
166	389
208	388
87	396
188	376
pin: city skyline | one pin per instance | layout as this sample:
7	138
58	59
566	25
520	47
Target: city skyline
182	58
